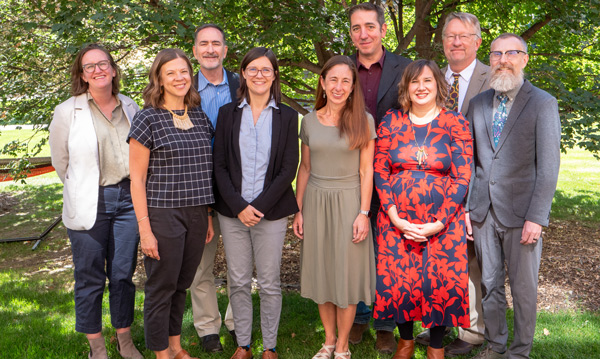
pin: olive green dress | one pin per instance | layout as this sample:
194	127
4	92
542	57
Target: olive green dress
333	269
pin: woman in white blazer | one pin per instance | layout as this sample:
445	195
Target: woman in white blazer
91	156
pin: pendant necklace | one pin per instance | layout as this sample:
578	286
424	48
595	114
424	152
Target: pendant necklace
181	122
421	153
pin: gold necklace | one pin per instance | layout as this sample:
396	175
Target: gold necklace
182	122
421	153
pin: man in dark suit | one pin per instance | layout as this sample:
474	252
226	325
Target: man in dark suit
516	132
217	87
379	73
468	77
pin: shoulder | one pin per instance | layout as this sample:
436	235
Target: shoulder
397	59
287	110
483	96
127	101
537	93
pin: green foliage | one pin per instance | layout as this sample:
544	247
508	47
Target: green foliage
38	40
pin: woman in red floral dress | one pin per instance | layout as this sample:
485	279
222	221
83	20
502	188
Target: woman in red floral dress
422	170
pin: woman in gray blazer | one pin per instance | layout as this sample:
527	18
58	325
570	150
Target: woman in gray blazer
90	154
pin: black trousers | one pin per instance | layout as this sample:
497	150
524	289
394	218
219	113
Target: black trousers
181	235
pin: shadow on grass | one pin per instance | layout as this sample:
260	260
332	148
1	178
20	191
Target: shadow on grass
582	207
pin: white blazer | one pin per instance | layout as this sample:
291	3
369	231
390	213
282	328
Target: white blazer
74	151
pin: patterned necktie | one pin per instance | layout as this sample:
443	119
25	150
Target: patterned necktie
499	118
452	102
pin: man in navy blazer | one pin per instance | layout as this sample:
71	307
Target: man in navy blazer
379	72
516	132
217	87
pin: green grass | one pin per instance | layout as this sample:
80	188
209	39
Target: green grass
30	137
577	196
38	315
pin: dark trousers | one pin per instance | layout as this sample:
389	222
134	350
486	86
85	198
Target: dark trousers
181	235
363	312
107	250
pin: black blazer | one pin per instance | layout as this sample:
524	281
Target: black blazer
234	83
391	74
277	200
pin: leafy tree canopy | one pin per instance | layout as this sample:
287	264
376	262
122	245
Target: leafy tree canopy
39	38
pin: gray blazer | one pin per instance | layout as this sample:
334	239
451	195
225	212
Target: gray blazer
479	82
518	178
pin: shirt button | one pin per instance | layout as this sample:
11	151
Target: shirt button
369	90
493	182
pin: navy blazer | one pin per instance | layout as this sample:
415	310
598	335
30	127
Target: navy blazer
234	83
277	200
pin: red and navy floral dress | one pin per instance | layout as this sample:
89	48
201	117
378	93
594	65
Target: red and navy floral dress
425	281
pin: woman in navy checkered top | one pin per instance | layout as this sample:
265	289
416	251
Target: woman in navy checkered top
171	166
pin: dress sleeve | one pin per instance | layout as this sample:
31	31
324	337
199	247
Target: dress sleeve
461	146
372	131
382	161
303	135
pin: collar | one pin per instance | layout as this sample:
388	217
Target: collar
510	93
380	62
271	103
466	74
90	98
203	82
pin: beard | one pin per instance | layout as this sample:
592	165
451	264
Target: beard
505	81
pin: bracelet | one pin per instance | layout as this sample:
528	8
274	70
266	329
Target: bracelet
366	213
141	219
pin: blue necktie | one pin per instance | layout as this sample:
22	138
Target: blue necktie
499	118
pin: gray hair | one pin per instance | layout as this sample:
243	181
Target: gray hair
508	35
465	18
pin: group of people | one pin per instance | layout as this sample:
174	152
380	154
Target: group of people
414	186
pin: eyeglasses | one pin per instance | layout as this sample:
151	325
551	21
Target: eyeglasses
102	65
510	54
253	71
462	37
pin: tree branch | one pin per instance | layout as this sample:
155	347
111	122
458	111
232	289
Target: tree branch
536	27
294	104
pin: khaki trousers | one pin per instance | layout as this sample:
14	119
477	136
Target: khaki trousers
207	318
475	334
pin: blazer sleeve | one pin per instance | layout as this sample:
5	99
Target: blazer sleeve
548	133
59	138
289	165
461	147
221	161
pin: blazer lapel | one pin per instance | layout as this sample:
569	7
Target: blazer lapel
237	123
275	139
488	115
521	100
83	129
475	85
387	75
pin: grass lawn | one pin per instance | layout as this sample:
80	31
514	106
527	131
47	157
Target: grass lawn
36	289
31	137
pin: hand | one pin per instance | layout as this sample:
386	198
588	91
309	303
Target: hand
531	233
298	225
211	231
360	228
411	231
430	229
469	226
148	243
250	216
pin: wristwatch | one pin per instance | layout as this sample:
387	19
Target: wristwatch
366	213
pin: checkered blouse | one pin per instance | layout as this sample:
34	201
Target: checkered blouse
180	167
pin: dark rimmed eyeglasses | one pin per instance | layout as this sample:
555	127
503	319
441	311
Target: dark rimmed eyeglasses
253	71
510	54
102	65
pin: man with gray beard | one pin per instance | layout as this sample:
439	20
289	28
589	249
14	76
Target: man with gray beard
516	133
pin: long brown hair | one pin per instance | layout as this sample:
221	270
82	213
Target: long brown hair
78	86
152	94
252	55
414	70
353	121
